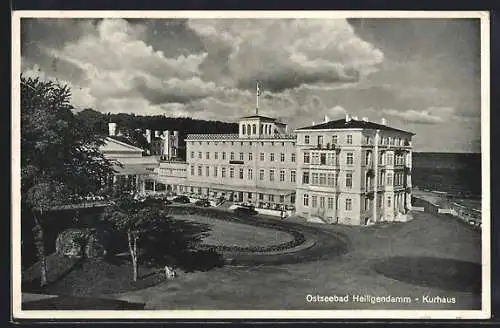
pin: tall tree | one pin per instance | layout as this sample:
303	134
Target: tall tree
59	155
135	219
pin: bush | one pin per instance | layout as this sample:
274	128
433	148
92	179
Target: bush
89	242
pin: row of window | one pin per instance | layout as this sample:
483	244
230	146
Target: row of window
242	156
332	158
251	129
330	202
231	172
325	179
368	140
242	143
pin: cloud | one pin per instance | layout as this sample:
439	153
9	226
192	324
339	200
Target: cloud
287	53
431	115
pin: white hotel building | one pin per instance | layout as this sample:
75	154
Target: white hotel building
345	171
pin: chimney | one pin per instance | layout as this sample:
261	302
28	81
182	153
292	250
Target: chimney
327	119
157	134
383	121
148	135
365	119
112	129
347	118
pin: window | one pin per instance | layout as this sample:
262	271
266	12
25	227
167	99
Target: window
349	159
315	158
314	201
322	179
192	154
348	204
223	172
215	171
242	156
322	159
199	170
243	129
381	158
331	179
216	155
262	157
366	204
261	196
254	129
322	202
199	154
335	140
330	202
271	175
232	156
315	178
248	129
293	176
305	178
272	157
293	157
250	156
261	129
192	169
348	180
282	199
241	173
389	158
223	155
250	174
389	201
320	140
306	200
306	158
367	158
207	171
282	157
261	175
349	139
389	179
282	175
249	195
271	198
231	172
306	140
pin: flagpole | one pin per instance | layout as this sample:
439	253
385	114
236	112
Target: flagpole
258	95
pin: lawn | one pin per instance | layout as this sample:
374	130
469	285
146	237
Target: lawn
237	234
430	255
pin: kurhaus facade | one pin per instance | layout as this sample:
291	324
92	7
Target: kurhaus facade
346	171
353	172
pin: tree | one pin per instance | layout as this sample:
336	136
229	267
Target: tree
59	155
135	219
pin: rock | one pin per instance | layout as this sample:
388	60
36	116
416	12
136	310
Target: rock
76	242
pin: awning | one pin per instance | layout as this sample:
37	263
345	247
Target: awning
132	169
226	188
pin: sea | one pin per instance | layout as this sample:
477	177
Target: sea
456	174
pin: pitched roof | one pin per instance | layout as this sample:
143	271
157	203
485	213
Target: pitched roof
122	145
352	124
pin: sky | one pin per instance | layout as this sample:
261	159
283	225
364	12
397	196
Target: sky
421	75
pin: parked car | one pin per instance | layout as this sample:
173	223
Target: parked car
246	210
181	199
202	202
